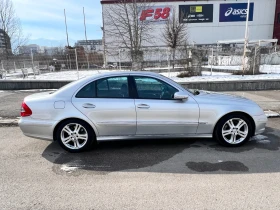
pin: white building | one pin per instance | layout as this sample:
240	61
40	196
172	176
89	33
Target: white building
208	21
34	48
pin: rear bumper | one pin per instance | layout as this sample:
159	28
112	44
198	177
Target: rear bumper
39	129
260	122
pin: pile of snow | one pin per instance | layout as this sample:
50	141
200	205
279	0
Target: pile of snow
227	78
237	68
267	69
270	69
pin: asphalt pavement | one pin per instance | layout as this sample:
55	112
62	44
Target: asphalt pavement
150	174
147	174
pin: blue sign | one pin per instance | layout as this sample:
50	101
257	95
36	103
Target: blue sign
235	12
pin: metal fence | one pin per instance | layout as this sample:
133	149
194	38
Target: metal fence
192	59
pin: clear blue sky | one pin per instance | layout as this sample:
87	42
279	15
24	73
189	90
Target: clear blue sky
45	18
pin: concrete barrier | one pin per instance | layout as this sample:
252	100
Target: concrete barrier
30	84
241	85
245	85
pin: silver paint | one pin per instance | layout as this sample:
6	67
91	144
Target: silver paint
193	116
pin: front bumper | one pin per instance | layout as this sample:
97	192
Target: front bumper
260	122
39	129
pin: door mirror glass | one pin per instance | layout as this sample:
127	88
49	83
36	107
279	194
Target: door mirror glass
180	96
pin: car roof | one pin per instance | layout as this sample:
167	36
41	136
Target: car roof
126	73
79	83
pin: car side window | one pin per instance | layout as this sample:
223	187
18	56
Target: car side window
151	88
87	91
112	87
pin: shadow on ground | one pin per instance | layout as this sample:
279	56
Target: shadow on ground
171	156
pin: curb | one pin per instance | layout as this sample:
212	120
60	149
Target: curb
8	122
14	122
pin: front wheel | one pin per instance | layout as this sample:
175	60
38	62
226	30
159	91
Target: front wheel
233	130
75	135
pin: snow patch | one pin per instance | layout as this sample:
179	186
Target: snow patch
271	114
268	69
69	169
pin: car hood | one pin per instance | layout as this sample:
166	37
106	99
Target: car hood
222	98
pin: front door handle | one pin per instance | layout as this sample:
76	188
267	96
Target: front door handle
89	106
143	106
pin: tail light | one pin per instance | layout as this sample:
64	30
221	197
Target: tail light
25	110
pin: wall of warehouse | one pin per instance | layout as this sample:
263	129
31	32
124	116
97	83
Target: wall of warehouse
210	32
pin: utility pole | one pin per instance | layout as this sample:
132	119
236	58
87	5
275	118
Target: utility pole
85	34
66	28
246	36
212	61
104	42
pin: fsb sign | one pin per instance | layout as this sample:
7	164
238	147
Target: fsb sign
235	12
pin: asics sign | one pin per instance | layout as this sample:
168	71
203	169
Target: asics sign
235	12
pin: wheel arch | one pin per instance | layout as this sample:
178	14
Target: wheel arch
237	112
71	118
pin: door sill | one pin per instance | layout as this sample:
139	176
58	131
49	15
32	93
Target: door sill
132	137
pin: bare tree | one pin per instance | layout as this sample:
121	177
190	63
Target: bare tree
10	24
175	34
127	29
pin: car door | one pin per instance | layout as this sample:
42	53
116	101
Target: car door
157	111
107	103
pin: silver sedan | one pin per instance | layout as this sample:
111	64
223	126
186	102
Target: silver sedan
137	105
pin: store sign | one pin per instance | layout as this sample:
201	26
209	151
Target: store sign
202	13
235	12
156	14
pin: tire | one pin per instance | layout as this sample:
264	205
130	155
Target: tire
233	130
75	136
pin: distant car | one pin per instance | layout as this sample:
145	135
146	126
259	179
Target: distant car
133	105
94	66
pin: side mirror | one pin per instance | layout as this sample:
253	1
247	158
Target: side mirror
180	96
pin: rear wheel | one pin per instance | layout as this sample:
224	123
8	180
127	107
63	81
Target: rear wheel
75	135
233	130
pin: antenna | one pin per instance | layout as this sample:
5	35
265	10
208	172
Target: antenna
66	28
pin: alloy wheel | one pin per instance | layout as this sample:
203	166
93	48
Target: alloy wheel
235	131
74	136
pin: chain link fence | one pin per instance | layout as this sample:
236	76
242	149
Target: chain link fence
39	63
191	59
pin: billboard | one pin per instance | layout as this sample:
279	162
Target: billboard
198	13
155	14
235	12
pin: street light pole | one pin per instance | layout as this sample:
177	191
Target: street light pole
246	36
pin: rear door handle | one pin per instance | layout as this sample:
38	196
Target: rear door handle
143	106
89	106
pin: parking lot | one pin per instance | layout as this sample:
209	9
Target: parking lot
147	174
